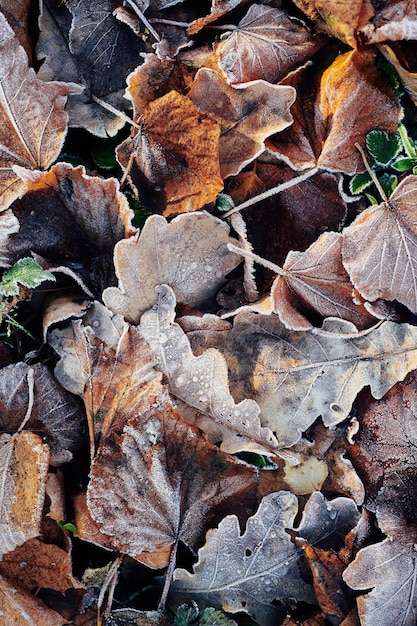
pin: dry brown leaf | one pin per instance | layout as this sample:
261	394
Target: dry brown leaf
175	156
218	9
266	44
297	376
161	482
21	608
247	115
201	383
33	121
317	281
72	219
335	108
24	462
246	572
189	254
17	13
380	248
338	18
394	20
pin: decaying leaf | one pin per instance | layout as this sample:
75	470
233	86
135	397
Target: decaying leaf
201	383
175	156
189	254
24	462
161	482
73	220
20	607
335	108
33	120
316	280
247	114
393	21
297	376
246	572
266	44
380	248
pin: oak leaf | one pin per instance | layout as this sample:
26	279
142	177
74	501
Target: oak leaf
175	156
380	248
316	279
189	254
201	383
296	376
247	115
266	44
246	572
73	220
33	119
170	483
333	111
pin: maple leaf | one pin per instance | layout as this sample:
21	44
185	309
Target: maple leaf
33	120
266	44
201	383
86	44
175	156
333	112
296	376
169	482
247	114
69	217
246	572
189	254
380	248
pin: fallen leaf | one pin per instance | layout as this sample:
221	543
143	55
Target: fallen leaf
17	14
34	121
20	607
247	114
189	254
296	376
24	462
333	111
266	44
246	572
408	78
71	219
393	21
201	383
175	156
174	482
380	248
316	280
218	9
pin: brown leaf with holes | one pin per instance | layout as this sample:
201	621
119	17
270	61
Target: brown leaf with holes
170	483
175	156
315	280
33	122
247	115
189	254
266	44
380	248
336	106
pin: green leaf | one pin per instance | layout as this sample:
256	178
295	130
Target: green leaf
372	199
402	165
388	182
187	615
68	526
253	458
359	182
211	617
224	202
24	272
383	147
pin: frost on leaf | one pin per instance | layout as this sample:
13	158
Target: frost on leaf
18	606
201	383
380	248
33	122
161	482
189	254
175	156
24	462
297	376
266	44
246	572
247	115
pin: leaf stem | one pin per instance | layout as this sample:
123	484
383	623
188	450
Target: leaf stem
274	191
371	173
168	577
258	259
143	19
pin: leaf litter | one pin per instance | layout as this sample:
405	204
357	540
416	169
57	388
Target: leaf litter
132	414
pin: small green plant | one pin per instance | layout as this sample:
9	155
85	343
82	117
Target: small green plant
24	273
394	155
189	615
